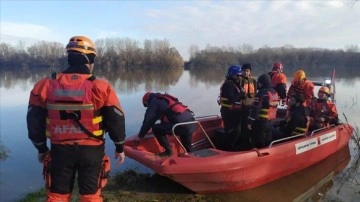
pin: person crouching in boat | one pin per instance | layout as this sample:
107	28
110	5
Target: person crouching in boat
298	122
230	100
323	112
301	85
262	112
170	111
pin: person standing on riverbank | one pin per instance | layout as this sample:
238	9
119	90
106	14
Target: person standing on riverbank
74	110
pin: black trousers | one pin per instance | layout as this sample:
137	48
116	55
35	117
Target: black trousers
232	126
261	134
184	131
69	160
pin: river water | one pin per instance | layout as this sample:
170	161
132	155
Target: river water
20	173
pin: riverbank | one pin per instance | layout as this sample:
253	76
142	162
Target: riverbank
131	186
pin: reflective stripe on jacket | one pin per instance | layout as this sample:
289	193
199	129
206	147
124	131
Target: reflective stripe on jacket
230	95
265	105
69	99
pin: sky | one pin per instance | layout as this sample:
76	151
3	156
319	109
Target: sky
312	23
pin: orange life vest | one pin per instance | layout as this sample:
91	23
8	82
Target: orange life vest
304	88
70	111
269	113
174	107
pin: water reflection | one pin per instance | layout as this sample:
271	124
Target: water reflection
309	184
133	80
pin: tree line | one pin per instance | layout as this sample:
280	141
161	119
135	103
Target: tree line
312	60
125	54
112	54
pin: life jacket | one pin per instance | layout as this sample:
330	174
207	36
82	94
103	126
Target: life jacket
305	88
249	88
175	107
269	112
225	102
276	78
323	109
70	111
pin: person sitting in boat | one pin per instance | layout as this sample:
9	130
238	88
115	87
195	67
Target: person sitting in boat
230	100
298	122
301	85
262	112
323	112
170	111
278	80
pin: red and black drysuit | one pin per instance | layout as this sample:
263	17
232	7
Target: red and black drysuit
74	110
262	112
169	111
231	96
296	125
278	82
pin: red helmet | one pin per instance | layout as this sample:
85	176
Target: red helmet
146	98
278	66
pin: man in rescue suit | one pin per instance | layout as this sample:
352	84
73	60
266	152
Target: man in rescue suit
263	112
297	123
248	83
323	112
301	85
230	99
278	80
170	111
74	110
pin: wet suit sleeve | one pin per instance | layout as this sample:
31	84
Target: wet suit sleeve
36	116
113	114
152	114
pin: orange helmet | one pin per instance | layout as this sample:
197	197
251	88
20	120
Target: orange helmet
146	98
299	75
81	44
325	90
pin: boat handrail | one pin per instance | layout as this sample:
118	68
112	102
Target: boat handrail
286	138
186	123
320	129
205	117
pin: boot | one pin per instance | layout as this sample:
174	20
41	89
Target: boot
167	153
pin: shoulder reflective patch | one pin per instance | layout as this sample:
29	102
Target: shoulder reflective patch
328	137
306	145
117	111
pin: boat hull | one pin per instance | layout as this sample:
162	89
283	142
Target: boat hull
210	170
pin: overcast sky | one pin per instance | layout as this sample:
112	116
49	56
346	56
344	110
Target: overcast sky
312	23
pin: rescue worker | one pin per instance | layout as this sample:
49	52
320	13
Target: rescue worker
301	85
248	83
262	112
230	99
323	112
170	111
74	110
278	81
298	122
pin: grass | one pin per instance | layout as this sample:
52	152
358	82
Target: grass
131	186
4	151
